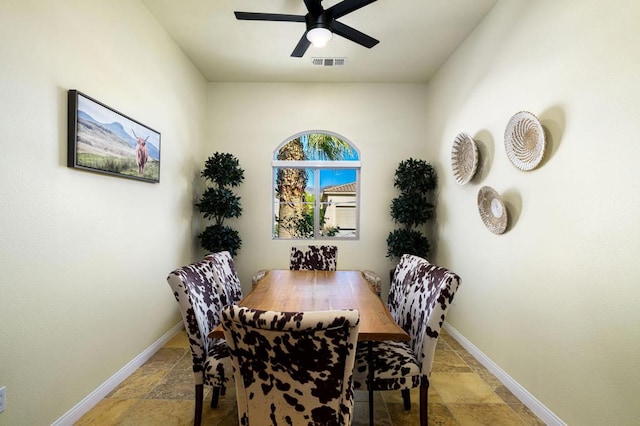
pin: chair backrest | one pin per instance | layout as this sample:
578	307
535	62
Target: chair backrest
225	271
422	314
318	258
403	277
292	367
198	296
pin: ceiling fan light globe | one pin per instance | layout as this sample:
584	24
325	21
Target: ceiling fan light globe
319	37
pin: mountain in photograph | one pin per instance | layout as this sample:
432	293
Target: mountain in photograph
95	139
116	131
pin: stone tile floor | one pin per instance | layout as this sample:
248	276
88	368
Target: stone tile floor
462	392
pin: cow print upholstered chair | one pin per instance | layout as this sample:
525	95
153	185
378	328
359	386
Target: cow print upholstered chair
405	365
403	277
374	280
292	368
224	270
198	296
315	258
259	275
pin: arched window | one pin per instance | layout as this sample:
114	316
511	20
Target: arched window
316	189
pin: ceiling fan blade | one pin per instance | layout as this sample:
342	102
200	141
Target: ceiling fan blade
313	6
301	47
353	35
347	6
251	16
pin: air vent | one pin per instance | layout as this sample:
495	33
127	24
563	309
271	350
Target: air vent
329	62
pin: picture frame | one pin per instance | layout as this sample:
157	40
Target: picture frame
103	140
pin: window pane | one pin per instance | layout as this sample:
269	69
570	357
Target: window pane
294	203
317	146
338	202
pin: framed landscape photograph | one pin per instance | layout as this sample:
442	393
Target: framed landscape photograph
103	140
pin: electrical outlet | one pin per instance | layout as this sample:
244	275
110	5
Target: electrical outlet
3	398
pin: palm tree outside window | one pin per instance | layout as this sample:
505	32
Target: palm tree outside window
316	189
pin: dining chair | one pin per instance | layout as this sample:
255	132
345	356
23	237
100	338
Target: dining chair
318	258
292	368
259	275
374	280
406	365
198	296
225	272
403	276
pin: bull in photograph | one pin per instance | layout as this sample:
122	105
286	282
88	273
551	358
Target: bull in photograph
141	152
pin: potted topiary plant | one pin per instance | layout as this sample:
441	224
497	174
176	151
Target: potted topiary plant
415	179
219	203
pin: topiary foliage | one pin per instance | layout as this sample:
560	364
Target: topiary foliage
217	238
411	210
415	179
223	169
219	203
402	241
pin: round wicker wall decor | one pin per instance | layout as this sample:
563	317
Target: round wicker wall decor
524	140
492	210
464	158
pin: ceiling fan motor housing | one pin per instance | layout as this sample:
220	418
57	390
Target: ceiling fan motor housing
322	20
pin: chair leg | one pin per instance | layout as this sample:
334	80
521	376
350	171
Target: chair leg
406	398
424	392
197	416
215	393
370	380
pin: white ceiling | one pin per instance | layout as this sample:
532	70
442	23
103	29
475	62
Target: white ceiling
416	37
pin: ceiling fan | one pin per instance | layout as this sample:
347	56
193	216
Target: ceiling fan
321	24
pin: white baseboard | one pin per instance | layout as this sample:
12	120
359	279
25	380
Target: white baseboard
91	400
520	392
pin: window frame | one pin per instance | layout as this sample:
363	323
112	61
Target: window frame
317	166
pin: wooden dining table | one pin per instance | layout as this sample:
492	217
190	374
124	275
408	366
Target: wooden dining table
297	291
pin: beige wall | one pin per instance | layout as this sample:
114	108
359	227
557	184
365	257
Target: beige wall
385	122
85	256
553	301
